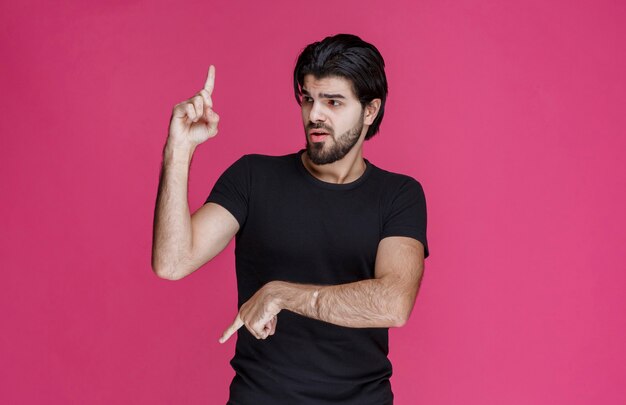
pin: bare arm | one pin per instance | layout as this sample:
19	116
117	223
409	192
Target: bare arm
181	242
385	301
382	302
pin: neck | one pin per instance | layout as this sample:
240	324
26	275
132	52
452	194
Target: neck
345	170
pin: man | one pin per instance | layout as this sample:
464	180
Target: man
329	248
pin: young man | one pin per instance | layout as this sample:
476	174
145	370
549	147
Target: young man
329	248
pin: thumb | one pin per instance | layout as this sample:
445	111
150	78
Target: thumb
213	119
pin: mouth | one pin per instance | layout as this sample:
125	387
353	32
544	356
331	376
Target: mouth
318	135
318	138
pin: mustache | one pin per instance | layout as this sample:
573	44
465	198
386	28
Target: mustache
320	125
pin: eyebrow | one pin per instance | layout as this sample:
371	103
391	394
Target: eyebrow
324	95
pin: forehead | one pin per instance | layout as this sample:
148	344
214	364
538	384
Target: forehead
328	85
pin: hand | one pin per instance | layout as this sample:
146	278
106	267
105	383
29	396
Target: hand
258	314
193	121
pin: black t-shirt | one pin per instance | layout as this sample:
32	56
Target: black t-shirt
297	228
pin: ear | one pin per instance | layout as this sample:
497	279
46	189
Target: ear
371	111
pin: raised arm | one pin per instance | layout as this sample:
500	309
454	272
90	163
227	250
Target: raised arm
384	301
182	242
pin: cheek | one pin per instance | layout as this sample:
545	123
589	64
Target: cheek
356	118
305	114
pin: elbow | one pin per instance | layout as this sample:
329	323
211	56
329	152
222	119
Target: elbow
399	321
167	269
163	273
403	312
173	270
166	272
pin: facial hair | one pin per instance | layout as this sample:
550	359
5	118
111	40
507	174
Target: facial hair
322	155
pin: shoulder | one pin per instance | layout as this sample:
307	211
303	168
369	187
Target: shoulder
263	168
258	160
395	183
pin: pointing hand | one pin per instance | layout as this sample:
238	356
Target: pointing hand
258	315
193	121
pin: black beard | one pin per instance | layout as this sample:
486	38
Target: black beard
340	148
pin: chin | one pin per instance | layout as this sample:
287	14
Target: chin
318	156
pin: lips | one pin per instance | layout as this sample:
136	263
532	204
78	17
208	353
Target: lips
318	134
318	137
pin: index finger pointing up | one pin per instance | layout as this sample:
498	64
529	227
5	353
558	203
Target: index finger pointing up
210	80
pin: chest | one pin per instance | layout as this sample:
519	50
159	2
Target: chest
313	235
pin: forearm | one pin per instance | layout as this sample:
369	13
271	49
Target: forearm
373	303
172	234
382	302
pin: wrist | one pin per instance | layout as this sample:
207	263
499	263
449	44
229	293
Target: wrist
274	296
297	298
178	152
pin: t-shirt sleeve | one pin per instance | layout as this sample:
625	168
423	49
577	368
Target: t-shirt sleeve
232	190
407	214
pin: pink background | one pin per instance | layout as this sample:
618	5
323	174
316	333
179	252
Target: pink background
510	113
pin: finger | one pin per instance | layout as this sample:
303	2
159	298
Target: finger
210	80
274	322
208	105
266	331
238	323
253	332
191	111
198	105
213	119
206	96
259	329
269	327
179	110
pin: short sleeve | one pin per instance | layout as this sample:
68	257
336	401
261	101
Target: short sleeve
232	189
407	214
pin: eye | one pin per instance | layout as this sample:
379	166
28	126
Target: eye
306	99
334	103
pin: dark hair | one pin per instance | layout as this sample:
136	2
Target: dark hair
350	57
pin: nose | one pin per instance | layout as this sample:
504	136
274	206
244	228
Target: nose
317	113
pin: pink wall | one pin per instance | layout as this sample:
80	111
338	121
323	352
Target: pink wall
510	113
